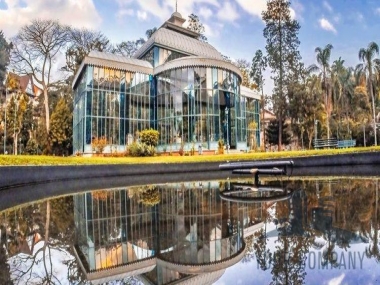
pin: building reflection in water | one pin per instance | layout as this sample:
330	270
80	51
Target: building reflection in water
186	233
162	233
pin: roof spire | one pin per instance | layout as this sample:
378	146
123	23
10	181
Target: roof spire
176	4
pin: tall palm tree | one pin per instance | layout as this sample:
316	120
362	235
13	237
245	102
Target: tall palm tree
343	88
367	56
323	60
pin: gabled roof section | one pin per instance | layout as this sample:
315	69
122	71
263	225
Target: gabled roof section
197	61
108	60
177	41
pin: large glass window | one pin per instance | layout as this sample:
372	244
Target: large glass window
112	104
191	105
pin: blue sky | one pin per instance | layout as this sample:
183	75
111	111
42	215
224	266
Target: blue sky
234	27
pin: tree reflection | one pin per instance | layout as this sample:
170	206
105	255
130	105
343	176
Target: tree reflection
373	249
325	218
38	235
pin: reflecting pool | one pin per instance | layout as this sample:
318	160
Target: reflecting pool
314	230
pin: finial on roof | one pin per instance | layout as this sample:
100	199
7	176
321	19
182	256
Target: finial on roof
176	3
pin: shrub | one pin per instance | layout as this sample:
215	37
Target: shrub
31	147
133	149
99	144
150	195
141	149
149	137
220	146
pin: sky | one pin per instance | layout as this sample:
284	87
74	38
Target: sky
234	27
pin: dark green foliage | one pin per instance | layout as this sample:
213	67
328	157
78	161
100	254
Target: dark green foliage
272	132
31	147
5	49
281	33
149	137
61	128
5	276
259	63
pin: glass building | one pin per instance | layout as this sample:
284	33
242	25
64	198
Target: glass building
175	84
161	233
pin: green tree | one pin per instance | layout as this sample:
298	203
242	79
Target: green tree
272	133
195	25
15	116
35	51
343	88
31	147
367	56
61	128
5	49
27	125
281	34
323	60
243	65
259	64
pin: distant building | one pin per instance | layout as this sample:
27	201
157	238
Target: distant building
175	84
24	84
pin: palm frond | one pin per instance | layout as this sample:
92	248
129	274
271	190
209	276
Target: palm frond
312	68
362	54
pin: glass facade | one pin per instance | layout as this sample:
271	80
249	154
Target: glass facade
190	106
184	223
158	55
114	228
195	105
112	104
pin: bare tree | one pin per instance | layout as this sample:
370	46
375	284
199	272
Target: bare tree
82	42
195	25
128	48
35	51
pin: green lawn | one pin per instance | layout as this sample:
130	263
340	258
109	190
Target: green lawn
55	160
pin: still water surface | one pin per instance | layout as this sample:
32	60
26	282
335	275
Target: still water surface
300	231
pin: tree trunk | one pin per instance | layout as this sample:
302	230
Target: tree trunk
47	112
373	107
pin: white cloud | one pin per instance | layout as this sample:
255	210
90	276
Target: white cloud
256	9
124	12
213	32
377	11
260	6
162	9
205	12
228	12
298	9
71	12
142	15
326	25
337	280
327	6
